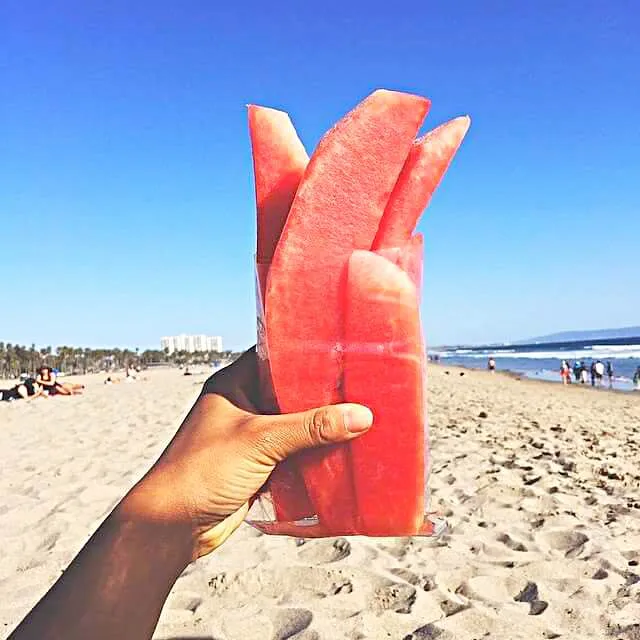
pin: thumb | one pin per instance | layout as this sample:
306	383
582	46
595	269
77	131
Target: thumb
280	436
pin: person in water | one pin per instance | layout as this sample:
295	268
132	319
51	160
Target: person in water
610	374
636	379
48	380
27	389
190	501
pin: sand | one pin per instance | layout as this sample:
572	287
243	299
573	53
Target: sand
540	484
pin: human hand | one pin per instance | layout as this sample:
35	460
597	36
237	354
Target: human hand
224	452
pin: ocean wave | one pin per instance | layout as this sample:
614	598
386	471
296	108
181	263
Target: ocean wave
579	354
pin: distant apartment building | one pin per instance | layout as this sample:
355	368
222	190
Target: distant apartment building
191	343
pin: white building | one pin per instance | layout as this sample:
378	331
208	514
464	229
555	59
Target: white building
191	343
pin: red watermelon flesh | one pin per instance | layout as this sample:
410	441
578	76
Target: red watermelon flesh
337	208
426	164
279	162
383	369
409	258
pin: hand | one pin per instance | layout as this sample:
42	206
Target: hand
224	452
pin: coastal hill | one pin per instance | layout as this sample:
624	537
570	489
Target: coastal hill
608	336
584	336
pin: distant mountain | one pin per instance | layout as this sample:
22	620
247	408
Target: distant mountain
575	336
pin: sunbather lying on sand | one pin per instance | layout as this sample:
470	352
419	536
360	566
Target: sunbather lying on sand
25	390
49	382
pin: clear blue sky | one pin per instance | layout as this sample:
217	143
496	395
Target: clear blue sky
126	195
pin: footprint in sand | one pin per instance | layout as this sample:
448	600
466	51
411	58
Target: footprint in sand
288	623
512	544
325	551
394	597
314	582
185	601
49	542
453	603
429	632
485	588
530	595
424	582
398	547
570	542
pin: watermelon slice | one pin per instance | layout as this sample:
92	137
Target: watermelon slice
409	258
279	162
383	369
426	164
337	208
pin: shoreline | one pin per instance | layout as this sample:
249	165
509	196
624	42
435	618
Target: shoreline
535	378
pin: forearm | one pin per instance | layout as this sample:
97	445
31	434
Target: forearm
116	586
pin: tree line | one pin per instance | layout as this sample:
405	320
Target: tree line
18	359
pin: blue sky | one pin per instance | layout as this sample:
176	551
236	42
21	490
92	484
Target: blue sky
126	195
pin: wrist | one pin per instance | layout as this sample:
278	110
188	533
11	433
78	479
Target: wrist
159	527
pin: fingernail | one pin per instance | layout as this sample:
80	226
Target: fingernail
357	419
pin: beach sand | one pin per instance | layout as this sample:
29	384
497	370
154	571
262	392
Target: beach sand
540	485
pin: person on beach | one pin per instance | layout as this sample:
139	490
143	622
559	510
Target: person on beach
491	364
636	379
599	372
577	370
584	376
610	374
190	501
565	372
48	380
27	389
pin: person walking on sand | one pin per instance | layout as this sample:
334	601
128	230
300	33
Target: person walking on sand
599	371
583	373
577	370
610	374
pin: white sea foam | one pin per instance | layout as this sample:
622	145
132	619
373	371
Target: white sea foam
594	352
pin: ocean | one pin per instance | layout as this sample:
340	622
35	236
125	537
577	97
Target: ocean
542	360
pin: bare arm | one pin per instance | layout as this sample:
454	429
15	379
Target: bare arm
24	392
187	505
45	383
116	586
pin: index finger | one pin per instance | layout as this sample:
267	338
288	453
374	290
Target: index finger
238	382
